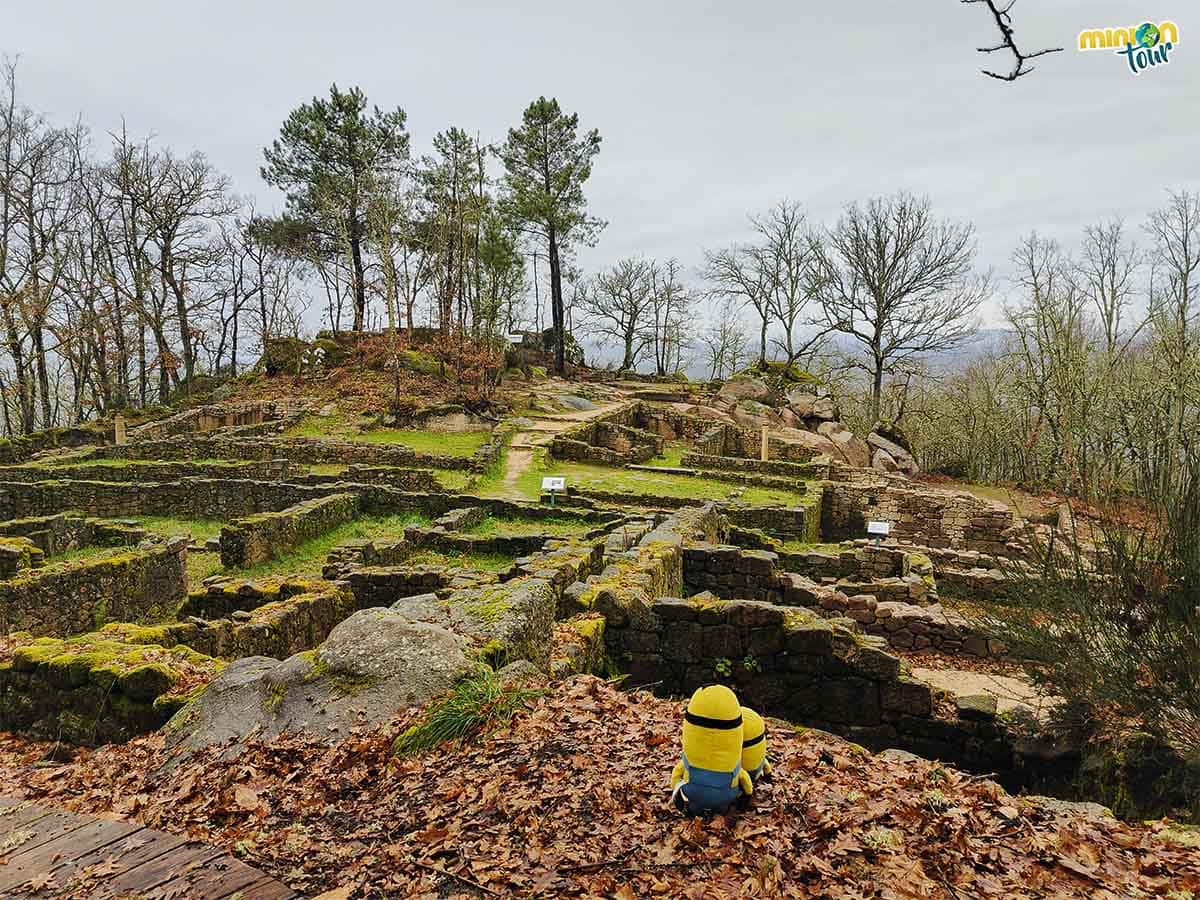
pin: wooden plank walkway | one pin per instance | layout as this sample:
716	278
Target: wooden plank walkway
53	853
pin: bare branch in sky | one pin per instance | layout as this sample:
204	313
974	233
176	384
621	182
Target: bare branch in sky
1004	23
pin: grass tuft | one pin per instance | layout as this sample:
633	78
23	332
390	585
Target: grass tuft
478	703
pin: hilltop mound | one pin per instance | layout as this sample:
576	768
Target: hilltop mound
571	800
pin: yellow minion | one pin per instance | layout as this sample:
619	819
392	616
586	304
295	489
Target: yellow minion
710	777
754	744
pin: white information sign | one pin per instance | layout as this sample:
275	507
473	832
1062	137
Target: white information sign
554	483
880	529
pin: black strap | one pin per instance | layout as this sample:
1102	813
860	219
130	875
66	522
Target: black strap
704	722
755	740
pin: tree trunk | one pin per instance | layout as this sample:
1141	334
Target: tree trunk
360	288
556	303
43	374
762	343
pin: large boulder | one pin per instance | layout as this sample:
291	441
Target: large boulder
508	621
854	450
373	665
743	387
752	414
806	404
883	461
902	459
821	445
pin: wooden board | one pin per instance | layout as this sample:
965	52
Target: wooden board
46	853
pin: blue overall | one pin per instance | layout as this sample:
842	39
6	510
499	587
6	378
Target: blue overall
706	791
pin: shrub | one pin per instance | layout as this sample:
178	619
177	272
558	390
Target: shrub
1118	629
477	704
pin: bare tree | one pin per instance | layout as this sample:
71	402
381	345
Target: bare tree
1007	43
670	306
1175	304
898	282
724	341
785	250
616	304
737	275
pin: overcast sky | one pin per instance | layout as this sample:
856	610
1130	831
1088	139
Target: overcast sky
708	111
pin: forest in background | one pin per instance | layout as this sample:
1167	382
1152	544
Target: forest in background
129	269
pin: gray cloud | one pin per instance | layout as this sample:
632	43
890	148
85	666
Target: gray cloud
708	110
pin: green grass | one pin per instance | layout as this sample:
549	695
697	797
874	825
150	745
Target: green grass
441	443
327	469
126	463
504	525
199	529
452	479
201	566
481	562
802	547
672	457
309	558
649	485
478	703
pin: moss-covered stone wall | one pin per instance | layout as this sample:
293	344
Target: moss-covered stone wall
264	536
292	624
142	585
93	689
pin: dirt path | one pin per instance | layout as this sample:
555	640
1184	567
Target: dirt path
528	441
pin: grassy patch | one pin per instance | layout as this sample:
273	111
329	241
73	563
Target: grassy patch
199	529
438	443
452	479
478	703
349	428
201	566
309	558
480	562
802	547
326	469
504	525
672	456
588	476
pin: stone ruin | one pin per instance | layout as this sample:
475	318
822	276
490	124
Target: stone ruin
102	638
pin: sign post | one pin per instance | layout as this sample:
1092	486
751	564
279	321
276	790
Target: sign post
553	484
879	530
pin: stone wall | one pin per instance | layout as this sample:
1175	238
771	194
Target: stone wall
607	443
93	690
734	573
926	516
221	598
18	554
23	447
288	625
137	586
303	451
791	664
279	470
60	533
217	415
786	662
402	479
264	536
805	471
208	498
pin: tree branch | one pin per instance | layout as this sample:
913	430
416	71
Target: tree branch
1004	23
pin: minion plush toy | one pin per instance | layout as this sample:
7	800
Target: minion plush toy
710	778
754	744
